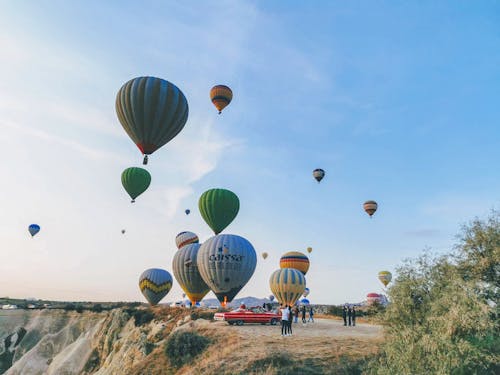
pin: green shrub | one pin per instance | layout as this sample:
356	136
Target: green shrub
199	314
96	308
141	317
182	347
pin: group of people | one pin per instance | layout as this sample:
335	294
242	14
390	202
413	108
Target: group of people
288	315
349	314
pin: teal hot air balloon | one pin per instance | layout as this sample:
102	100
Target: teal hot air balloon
186	272
218	207
135	181
152	111
155	283
34	229
226	262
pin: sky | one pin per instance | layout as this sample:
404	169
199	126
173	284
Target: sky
396	101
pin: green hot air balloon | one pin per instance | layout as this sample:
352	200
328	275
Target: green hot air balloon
218	207
186	272
152	111
135	181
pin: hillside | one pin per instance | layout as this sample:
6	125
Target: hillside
124	341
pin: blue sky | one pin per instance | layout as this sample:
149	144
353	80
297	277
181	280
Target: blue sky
398	102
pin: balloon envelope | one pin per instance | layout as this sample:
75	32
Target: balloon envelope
271	298
154	284
186	238
304	302
226	263
306	292
287	284
318	174
385	277
34	229
218	207
264	255
187	211
370	207
295	259
185	268
221	96
135	181
309	250
152	111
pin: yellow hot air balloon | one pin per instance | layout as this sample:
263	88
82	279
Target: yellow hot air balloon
264	255
295	259
221	96
287	284
385	277
370	207
309	250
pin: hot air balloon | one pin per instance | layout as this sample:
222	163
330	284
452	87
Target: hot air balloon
318	174
186	238
221	96
135	181
309	250
218	207
271	298
370	207
226	263
385	277
186	272
34	229
187	211
155	283
304	302
183	295
264	255
123	231
287	284
152	111
306	292
295	259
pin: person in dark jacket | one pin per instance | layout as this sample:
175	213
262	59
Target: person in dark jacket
303	314
296	314
353	316
349	315
344	314
290	316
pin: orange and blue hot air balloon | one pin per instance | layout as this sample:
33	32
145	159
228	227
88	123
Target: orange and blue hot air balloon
221	96
296	260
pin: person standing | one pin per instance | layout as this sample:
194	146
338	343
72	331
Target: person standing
344	315
353	316
311	314
284	320
303	314
296	314
349	315
290	314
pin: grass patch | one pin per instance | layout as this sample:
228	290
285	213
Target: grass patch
182	347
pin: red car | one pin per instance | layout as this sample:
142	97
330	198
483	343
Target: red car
251	315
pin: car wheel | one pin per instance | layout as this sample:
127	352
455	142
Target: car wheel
239	322
273	321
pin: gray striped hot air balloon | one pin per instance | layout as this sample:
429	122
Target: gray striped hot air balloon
152	111
186	272
226	263
155	283
287	284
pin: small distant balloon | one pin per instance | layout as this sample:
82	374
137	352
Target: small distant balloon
34	229
385	277
370	207
309	250
306	292
135	181
264	255
123	231
187	211
221	96
318	174
271	298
